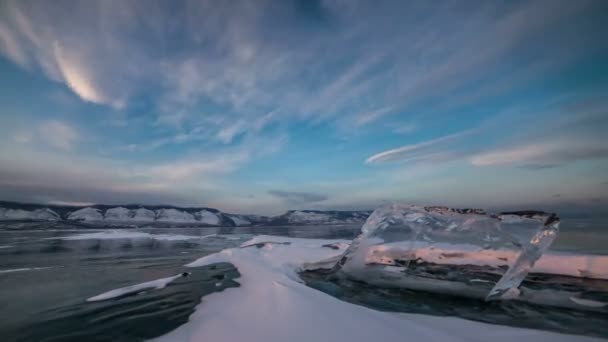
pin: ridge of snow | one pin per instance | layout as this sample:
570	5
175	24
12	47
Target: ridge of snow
154	284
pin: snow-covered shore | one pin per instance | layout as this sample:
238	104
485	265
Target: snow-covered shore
273	304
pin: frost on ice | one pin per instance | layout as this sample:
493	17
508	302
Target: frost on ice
459	251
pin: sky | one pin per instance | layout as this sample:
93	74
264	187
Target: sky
263	106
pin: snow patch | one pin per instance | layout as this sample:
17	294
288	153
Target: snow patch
154	284
27	269
86	214
207	217
143	215
117	214
174	215
308	217
43	214
238	221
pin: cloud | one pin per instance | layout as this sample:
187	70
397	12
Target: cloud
58	134
434	149
10	46
192	169
23	137
541	155
372	116
218	86
228	133
323	65
86	58
405	128
297	197
78	78
561	132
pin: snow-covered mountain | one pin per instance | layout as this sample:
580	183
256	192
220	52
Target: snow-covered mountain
137	215
305	217
41	214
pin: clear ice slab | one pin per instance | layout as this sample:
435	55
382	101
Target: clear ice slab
459	251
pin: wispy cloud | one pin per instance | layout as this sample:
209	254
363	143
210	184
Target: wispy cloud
181	171
368	117
546	154
58	134
435	149
248	66
76	75
166	99
298	197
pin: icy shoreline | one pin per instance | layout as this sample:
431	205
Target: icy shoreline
272	304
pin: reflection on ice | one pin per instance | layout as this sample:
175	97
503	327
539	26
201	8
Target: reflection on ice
442	249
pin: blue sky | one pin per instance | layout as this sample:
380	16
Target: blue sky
263	106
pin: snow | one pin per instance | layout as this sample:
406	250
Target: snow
174	215
27	269
20	214
143	215
117	214
86	214
207	217
154	284
308	217
272	304
121	234
238	221
121	214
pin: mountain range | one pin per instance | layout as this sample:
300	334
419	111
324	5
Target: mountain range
165	215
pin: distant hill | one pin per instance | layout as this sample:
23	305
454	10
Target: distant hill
165	215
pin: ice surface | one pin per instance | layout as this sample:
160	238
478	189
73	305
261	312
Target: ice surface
588	302
24	269
154	284
122	234
552	262
414	239
272	304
